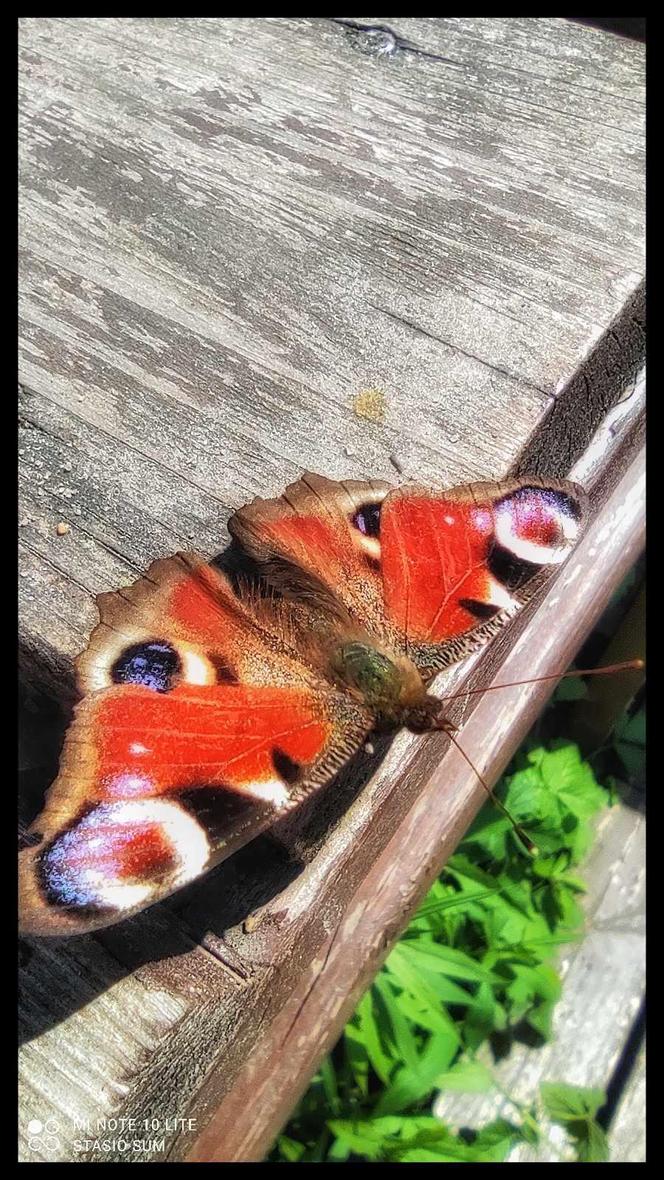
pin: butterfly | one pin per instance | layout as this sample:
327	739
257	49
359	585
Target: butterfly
212	708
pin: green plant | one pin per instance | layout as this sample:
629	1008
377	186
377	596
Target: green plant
475	966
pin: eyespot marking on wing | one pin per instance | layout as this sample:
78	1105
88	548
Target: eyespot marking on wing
119	855
153	664
366	522
537	525
367	519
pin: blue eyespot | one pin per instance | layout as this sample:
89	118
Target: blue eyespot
154	665
367	520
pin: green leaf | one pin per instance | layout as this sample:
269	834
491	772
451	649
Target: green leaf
339	1152
329	1080
564	1103
459	901
529	799
405	1042
431	956
433	1018
367	1137
464	869
411	1084
590	1141
483	1016
357	1058
421	1139
575	1108
467	1077
424	980
290	1149
540	1017
389	1137
493	1142
564	772
489	833
366	1027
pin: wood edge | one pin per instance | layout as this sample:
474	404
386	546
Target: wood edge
597	385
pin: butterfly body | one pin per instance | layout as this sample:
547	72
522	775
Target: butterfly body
209	709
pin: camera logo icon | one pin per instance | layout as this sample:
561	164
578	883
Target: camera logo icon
43	1137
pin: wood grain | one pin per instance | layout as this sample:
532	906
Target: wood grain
230	229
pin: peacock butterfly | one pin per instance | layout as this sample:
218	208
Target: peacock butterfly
208	711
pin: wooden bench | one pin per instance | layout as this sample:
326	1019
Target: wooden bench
391	249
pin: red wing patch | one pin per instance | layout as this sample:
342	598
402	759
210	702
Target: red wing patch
156	788
321	528
434	560
451	562
225	735
188	608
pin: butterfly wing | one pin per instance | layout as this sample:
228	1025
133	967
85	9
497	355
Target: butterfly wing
457	565
199	728
431	574
319	540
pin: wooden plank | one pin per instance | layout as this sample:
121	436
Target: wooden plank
378	904
230	230
223	247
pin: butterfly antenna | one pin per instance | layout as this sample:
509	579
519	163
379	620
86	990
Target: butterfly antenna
522	836
625	666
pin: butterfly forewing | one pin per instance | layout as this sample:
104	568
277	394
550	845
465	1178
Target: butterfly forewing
457	565
198	731
432	574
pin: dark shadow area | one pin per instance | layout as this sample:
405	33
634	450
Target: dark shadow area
502	1042
623	1070
603	734
579	408
625	26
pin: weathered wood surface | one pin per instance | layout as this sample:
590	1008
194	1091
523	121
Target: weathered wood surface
230	229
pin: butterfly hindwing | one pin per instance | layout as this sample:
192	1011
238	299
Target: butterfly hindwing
319	540
198	730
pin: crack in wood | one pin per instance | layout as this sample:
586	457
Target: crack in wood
382	41
399	319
